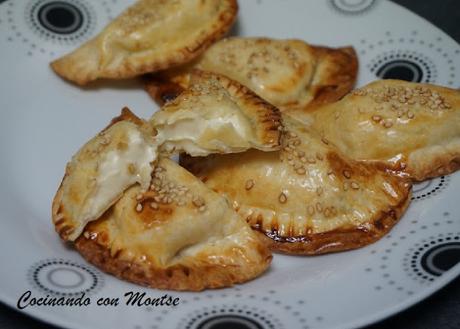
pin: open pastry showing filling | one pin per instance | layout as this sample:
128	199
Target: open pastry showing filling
308	198
290	74
150	35
96	177
217	115
410	127
177	235
140	216
222	117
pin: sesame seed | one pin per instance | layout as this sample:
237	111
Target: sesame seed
327	212
282	198
198	201
387	124
202	208
311	210
410	115
139	207
249	184
347	174
319	207
154	205
301	171
139	197
345	186
354	185
333	211
325	141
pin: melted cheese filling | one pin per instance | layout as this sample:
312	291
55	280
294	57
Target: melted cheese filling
222	129
120	169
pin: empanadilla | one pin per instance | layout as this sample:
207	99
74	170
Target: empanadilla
289	74
228	120
178	235
101	170
308	198
413	128
150	35
217	115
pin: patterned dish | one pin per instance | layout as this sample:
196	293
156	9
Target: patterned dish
46	120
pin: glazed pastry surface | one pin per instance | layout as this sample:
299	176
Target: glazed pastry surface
289	74
150	35
410	127
308	198
177	235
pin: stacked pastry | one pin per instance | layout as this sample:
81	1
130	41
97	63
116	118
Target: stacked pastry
274	157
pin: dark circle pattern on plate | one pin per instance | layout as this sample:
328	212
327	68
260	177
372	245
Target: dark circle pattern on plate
431	258
64	278
352	7
404	65
428	188
68	21
60	17
230	317
229	322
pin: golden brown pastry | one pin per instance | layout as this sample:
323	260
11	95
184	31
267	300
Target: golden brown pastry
414	128
228	119
308	198
217	115
102	169
150	35
290	74
178	235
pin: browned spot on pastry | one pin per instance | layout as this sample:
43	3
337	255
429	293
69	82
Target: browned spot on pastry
129	46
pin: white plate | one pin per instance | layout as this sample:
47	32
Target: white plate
45	120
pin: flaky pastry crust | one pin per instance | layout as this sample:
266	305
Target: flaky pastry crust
215	111
179	235
409	127
149	36
290	74
308	198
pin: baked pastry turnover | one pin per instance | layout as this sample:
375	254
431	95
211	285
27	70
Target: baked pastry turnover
178	235
102	169
308	198
289	74
150	35
414	128
226	118
217	115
